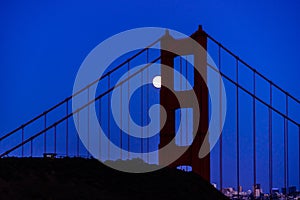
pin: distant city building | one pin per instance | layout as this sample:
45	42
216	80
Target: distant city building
257	193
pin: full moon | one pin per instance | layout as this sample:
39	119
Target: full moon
157	81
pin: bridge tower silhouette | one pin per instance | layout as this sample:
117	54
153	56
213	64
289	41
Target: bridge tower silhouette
169	102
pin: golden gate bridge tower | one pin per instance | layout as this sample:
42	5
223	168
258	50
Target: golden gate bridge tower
169	102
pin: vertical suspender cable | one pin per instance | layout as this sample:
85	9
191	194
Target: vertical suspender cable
100	131
67	129
286	147
128	117
31	148
121	121
237	127
284	153
270	143
22	141
55	138
88	121
147	105
254	128
181	111
186	112
284	150
78	127
299	152
108	119
142	117
220	121
45	134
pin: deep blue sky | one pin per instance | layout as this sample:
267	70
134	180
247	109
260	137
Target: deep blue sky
43	43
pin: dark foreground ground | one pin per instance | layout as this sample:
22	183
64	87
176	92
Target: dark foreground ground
78	178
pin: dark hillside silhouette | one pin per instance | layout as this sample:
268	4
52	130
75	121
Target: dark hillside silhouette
78	178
